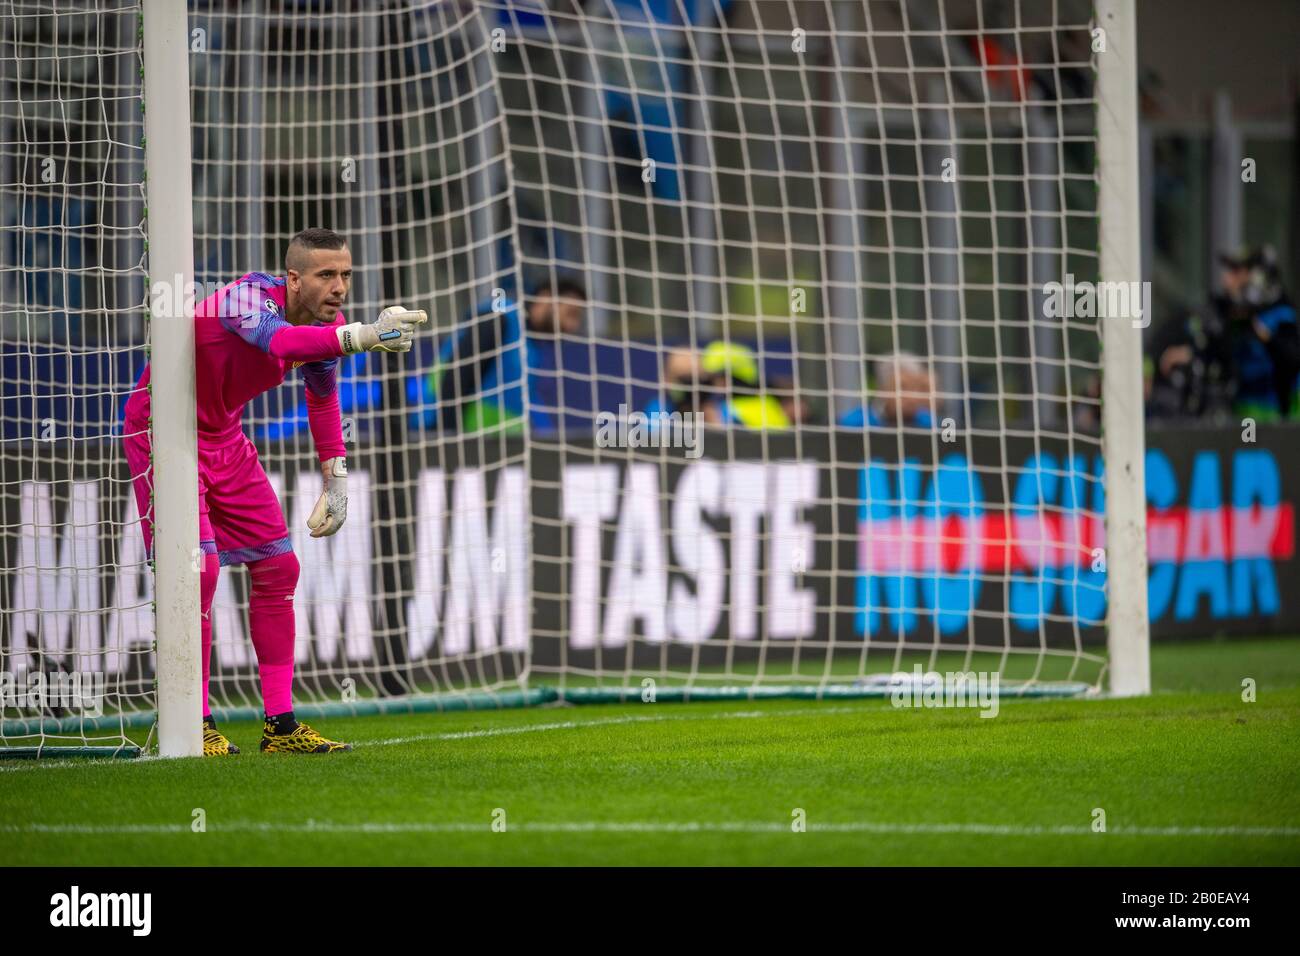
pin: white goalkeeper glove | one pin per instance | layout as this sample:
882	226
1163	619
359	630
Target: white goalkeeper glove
332	506
391	332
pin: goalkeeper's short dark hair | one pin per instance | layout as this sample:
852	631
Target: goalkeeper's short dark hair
314	239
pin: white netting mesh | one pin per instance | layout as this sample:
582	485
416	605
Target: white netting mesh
385	127
75	588
865	202
825	228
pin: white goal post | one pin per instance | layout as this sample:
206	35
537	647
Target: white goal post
1123	427
171	355
838	240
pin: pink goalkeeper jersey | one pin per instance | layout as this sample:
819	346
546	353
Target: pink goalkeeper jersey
244	347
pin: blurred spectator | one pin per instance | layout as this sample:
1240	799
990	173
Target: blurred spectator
722	384
797	408
1192	375
903	391
682	375
1243	354
1267	348
484	367
645	109
735	395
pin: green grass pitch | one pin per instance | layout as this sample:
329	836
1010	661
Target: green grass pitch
1191	775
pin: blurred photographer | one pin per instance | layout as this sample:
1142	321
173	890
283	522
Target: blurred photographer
1242	354
1266	342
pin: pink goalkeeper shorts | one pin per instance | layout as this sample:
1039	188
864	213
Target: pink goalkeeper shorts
240	518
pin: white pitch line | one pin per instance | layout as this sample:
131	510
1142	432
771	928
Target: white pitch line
687	826
54	762
57	763
608	721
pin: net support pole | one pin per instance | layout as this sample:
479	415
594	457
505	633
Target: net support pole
1044	261
177	559
842	279
368	297
943	255
480	148
706	280
598	192
1123	436
382	146
1226	150
249	138
1147	180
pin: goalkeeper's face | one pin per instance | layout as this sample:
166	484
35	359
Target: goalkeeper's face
322	284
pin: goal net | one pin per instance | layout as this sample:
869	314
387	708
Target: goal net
767	354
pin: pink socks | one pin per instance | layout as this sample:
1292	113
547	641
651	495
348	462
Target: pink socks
271	621
207	590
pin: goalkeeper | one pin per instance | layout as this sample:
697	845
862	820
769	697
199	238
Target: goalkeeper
247	337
